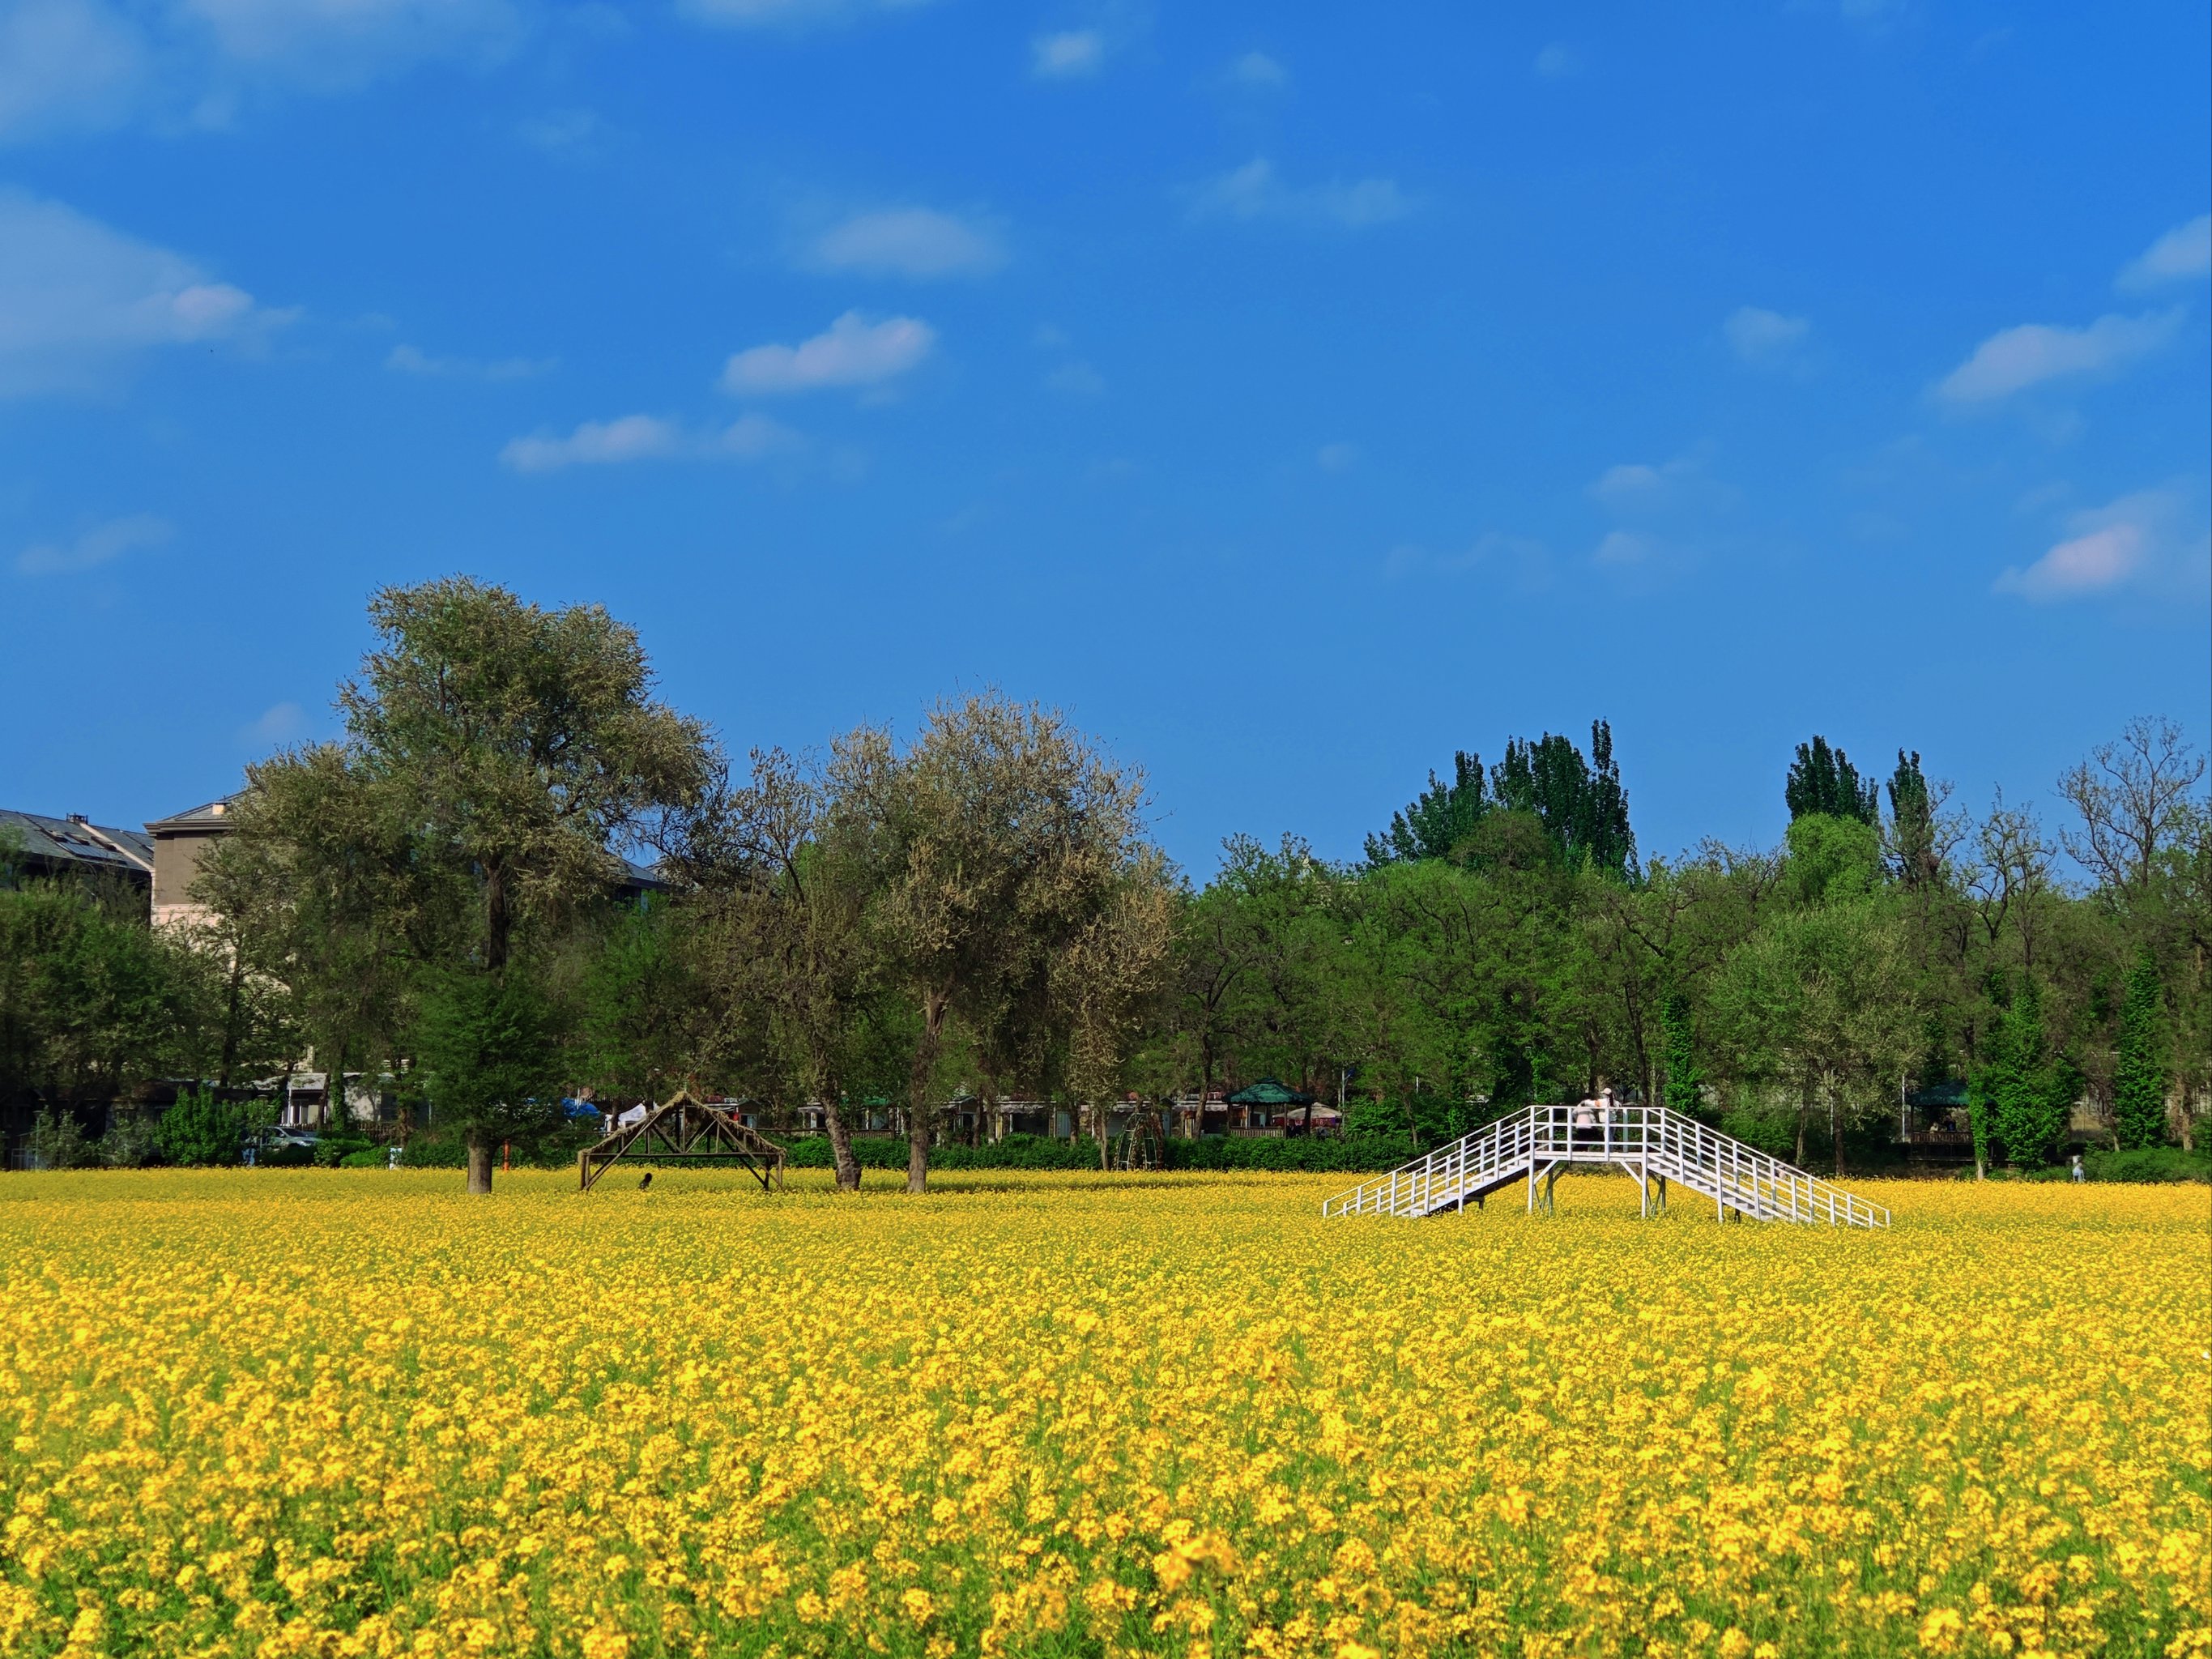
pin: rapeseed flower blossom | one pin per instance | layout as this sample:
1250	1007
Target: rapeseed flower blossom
341	1413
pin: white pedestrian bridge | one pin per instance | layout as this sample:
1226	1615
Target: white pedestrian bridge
1652	1146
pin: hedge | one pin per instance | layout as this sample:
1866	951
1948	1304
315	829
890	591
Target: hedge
1347	1154
2149	1164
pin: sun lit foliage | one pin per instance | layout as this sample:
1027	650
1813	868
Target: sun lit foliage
354	1413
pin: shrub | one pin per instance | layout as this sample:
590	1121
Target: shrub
57	1143
2150	1163
365	1157
200	1129
129	1142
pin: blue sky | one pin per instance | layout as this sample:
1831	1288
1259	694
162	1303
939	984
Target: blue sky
1295	394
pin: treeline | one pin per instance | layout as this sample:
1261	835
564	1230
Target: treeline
450	898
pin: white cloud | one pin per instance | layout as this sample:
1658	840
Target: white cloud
411	360
2140	540
1077	379
66	66
80	64
2182	254
1625	548
787	14
1069	53
1255	191
77	298
2018	358
1256	69
1523	559
596	443
563	131
1557	60
278	723
1764	337
852	351
342	43
918	242
1638	490
648	438
96	547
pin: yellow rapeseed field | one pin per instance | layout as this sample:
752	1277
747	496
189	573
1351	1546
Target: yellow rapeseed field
355	1413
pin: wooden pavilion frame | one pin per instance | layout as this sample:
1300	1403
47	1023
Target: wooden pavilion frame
681	1129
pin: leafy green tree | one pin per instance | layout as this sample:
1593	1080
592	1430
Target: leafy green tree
1823	780
498	760
2139	1074
1833	858
1684	1083
1001	838
635	999
1436	820
490	1058
1819	1003
1912	828
1581	803
93	1001
2026	1091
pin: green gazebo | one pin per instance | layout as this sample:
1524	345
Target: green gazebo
1273	1096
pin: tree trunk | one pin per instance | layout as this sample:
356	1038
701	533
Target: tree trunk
496	919
479	1164
840	1146
236	993
918	1084
1836	1126
1804	1111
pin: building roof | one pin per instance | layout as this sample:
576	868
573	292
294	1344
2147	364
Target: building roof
71	843
209	816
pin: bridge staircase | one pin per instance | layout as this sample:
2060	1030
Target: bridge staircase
1653	1145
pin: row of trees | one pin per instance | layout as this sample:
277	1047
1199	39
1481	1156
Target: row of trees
434	899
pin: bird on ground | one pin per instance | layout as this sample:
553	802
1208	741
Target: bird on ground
647	1182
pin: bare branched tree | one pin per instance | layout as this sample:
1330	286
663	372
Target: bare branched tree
2133	795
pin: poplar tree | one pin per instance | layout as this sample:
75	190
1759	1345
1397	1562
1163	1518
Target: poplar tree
2026	1091
2139	1075
1823	780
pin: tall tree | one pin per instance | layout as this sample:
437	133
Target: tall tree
1004	835
2133	796
1823	780
1819	1001
1913	838
1581	803
2139	1071
1438	819
2025	1089
498	760
790	919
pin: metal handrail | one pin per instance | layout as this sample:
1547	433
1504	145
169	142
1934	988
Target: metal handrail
1654	1139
